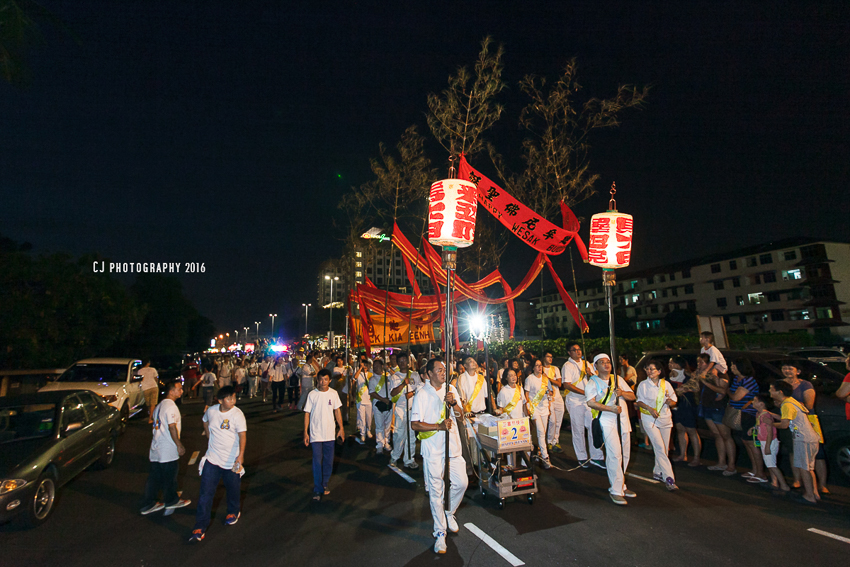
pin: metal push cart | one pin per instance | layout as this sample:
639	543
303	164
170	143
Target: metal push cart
497	476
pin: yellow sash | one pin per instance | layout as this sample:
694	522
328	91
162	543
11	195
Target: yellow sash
593	412
364	391
544	388
422	435
659	399
396	397
381	383
478	383
517	394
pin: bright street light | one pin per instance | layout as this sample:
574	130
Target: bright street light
272	316
257	323
306	313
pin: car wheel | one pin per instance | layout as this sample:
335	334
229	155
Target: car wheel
41	504
841	458
108	454
125	416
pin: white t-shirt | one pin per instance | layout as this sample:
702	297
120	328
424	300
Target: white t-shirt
239	375
321	405
265	368
647	392
532	386
428	404
344	372
163	447
397	379
505	396
208	380
223	447
277	373
467	386
716	357
307	372
572	373
149	376
596	389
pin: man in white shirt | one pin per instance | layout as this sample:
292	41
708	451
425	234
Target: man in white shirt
240	378
253	377
382	405
307	372
227	431
404	384
428	417
362	400
473	395
606	395
165	453
574	375
150	386
224	372
321	409
556	405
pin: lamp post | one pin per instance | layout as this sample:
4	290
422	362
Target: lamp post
272	316
246	333
306	314
331	324
257	323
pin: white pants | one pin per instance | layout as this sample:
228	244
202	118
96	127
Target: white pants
383	420
401	429
659	437
434	483
302	401
556	418
617	453
580	426
541	420
364	418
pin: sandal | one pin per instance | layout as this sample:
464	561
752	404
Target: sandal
327	492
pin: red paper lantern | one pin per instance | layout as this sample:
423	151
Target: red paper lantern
451	213
610	243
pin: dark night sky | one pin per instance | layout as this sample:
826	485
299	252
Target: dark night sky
215	131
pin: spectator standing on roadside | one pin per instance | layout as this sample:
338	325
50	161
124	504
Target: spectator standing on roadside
165	453
741	393
686	411
292	382
307	373
804	392
843	392
322	409
227	432
626	370
716	360
341	375
150	387
712	403
795	417
265	370
575	373
765	433
191	376
655	397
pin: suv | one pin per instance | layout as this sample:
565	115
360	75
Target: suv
831	356
113	379
768	367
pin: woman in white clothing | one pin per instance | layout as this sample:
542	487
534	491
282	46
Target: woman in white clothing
655	397
510	399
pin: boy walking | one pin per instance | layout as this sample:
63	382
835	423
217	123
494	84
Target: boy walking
320	411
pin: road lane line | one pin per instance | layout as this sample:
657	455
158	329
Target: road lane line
652	480
827	534
194	457
402	474
494	545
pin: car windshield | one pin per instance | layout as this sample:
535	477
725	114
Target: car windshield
26	422
95	373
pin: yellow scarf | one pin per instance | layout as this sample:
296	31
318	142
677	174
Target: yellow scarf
422	435
396	397
510	407
364	391
659	399
467	407
544	388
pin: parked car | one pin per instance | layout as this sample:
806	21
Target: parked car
113	379
768	367
831	356
46	439
16	382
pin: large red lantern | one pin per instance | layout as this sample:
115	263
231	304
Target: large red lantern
451	213
610	243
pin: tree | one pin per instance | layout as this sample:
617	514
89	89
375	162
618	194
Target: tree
19	31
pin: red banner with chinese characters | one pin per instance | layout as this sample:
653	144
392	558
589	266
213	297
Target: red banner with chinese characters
530	227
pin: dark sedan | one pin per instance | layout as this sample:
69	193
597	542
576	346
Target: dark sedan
46	439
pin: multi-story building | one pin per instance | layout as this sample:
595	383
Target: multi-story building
787	285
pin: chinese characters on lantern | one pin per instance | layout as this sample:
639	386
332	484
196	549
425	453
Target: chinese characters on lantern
451	213
610	243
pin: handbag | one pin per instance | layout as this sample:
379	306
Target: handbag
732	418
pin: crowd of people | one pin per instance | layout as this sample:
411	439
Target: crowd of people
399	398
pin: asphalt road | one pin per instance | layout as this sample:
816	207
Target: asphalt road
375	516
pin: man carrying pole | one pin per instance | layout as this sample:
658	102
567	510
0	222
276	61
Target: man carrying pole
404	384
435	410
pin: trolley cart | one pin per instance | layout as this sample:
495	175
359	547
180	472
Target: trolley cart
506	465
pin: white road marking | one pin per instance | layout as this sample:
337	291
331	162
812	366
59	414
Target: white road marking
194	457
827	534
402	474
494	545
652	480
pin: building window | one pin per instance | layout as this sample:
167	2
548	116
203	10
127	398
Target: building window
358	264
686	273
675	292
733	264
635	298
756	279
369	270
721	302
672	277
736	282
793	274
751	262
727	319
638	311
715	268
653	309
791	255
773	296
739	299
652	294
799	315
663	293
689	289
824	312
661	278
359	254
649	281
633	284
770	277
755	298
777	315
358	274
718	284
766	258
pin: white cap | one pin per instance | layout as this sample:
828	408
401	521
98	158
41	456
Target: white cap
601	356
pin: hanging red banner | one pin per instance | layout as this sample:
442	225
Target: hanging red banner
530	227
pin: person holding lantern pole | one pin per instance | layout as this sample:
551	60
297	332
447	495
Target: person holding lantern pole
404	384
430	417
379	391
556	404
473	394
606	395
574	379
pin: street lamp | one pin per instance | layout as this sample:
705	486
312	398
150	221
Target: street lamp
306	313
272	316
331	324
246	333
257	323
237	335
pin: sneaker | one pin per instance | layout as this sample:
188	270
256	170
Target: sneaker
618	500
671	484
360	440
597	463
658	477
629	493
452	523
179	504
440	544
155	507
317	497
197	535
411	465
585	464
546	463
232	519
549	447
557	448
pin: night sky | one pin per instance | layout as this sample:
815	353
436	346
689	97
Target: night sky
226	132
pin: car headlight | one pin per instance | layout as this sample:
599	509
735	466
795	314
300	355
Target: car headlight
10	485
110	399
